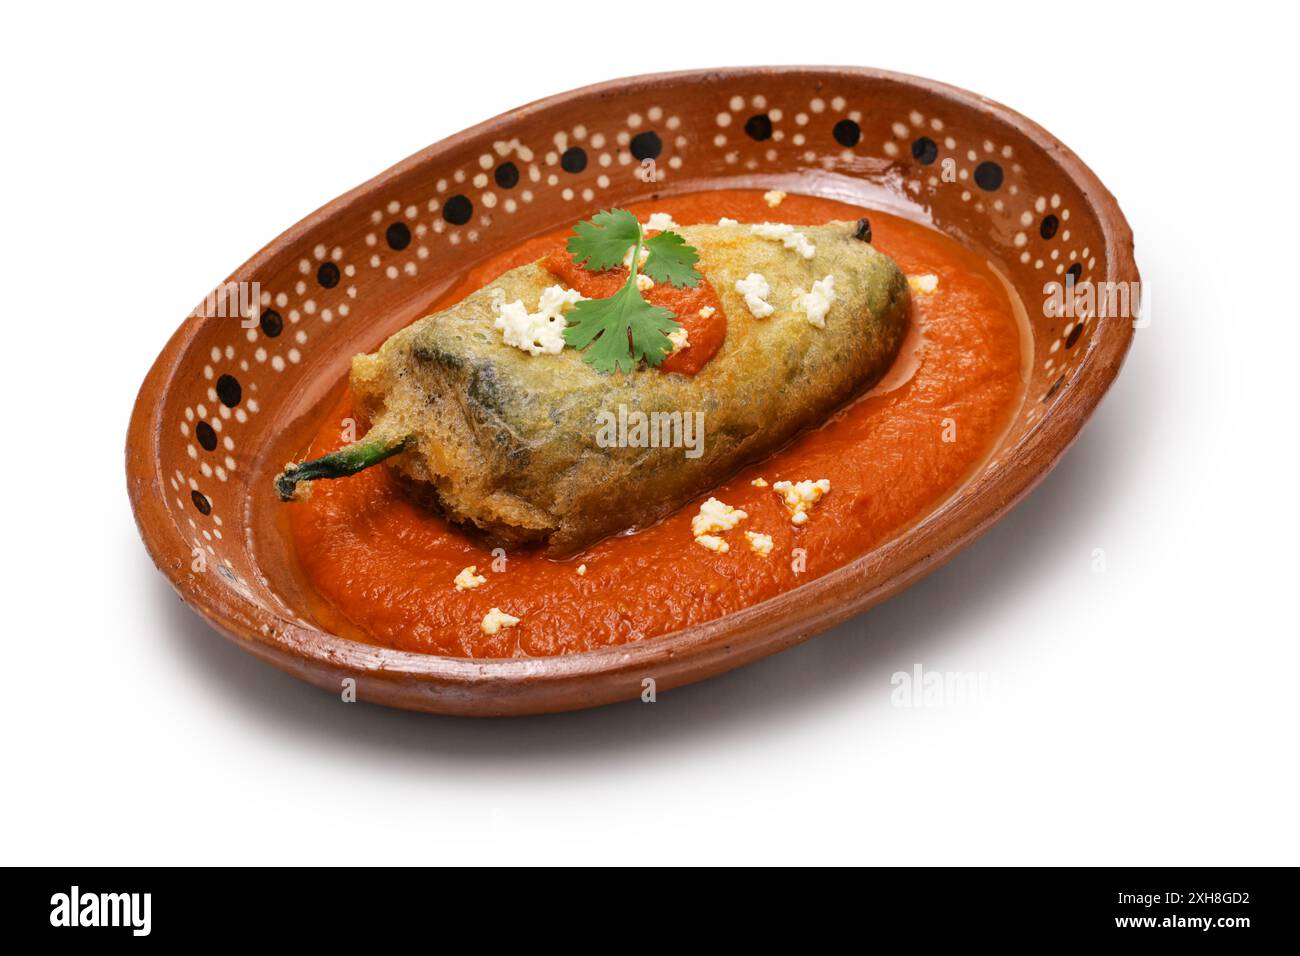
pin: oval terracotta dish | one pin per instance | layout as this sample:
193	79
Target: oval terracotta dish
231	399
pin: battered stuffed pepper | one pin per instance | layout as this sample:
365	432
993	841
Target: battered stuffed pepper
602	387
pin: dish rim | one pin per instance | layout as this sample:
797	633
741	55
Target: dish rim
711	647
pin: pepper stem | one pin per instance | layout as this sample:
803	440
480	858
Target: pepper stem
349	460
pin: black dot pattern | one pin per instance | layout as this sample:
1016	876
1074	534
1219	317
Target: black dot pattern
1047	228
1055	385
229	391
458	210
1074	335
847	133
988	176
925	150
206	435
1074	273
759	127
398	236
574	159
646	145
271	322
201	502
507	175
328	275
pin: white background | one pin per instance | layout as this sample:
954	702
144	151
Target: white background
1147	714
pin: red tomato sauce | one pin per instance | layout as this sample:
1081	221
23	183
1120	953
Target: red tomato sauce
385	566
705	333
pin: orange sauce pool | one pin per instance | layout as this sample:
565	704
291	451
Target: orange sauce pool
385	566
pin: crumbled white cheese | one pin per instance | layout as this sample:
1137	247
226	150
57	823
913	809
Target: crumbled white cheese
707	312
817	303
582	569
680	339
785	234
716	516
924	284
756	290
713	543
540	332
661	221
800	496
759	482
643	282
773	197
469	578
724	221
759	543
495	619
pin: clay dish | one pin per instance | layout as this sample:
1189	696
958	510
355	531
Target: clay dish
233	397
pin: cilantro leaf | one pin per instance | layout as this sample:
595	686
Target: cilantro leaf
671	260
625	329
603	241
621	330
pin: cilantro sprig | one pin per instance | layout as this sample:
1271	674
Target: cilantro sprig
625	329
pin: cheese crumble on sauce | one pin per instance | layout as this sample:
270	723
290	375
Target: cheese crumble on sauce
714	516
923	284
713	543
495	619
759	543
469	578
800	496
773	197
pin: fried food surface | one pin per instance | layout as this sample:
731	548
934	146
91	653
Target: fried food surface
512	444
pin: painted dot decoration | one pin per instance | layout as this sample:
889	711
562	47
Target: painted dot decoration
847	133
271	323
229	390
398	236
988	176
457	210
206	435
646	145
924	150
328	275
759	127
574	159
506	175
503	177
